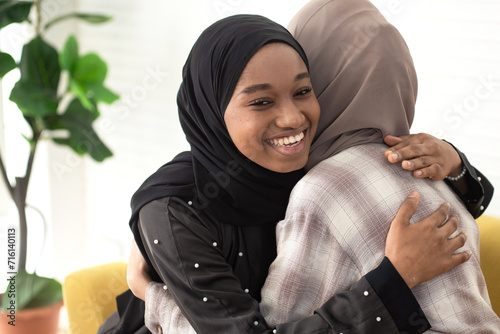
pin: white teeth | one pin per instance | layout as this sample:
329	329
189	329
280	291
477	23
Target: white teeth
287	141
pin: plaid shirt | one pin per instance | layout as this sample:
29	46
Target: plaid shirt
335	231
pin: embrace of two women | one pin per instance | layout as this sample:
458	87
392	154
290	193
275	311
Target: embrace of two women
234	236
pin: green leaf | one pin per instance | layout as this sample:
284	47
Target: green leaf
14	12
87	80
83	139
89	18
7	63
81	94
93	18
32	291
68	57
36	91
103	94
33	100
40	64
90	69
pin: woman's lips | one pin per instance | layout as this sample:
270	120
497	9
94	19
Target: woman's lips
288	141
288	145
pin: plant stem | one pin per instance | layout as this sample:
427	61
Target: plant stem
19	193
59	19
6	178
38	8
20	200
31	158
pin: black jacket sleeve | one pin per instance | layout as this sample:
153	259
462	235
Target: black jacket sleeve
181	249
480	190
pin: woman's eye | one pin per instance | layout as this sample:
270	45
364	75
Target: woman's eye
303	91
260	103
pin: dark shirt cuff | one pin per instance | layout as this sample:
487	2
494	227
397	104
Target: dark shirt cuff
397	298
480	190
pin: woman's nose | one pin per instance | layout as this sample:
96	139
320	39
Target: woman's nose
289	115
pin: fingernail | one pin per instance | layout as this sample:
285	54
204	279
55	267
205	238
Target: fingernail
448	205
388	152
469	253
407	164
394	156
418	173
413	194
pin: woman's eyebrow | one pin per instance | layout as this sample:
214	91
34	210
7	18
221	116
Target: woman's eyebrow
255	88
303	75
264	86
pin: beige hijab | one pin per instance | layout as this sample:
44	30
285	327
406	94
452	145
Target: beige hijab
362	73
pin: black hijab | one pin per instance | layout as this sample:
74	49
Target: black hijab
220	181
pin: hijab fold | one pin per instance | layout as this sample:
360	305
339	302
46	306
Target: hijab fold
220	182
362	73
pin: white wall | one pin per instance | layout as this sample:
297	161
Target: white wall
456	49
4	197
455	45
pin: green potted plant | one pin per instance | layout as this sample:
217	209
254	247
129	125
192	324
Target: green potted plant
49	105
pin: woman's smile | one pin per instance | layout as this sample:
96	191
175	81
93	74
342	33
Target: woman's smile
288	144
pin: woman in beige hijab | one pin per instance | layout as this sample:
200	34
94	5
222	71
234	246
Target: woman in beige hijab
366	84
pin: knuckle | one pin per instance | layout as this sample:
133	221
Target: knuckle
453	221
463	239
432	145
457	242
405	139
434	170
417	149
430	229
442	212
463	257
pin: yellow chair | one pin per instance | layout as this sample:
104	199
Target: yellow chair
89	295
489	229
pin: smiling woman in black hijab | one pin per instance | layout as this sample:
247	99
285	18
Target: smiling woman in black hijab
214	184
218	181
205	222
214	174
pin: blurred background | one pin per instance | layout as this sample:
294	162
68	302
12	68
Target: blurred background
455	45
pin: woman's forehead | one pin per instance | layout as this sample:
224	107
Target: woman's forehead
271	58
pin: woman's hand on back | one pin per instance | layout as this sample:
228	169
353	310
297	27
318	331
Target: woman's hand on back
425	155
424	250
